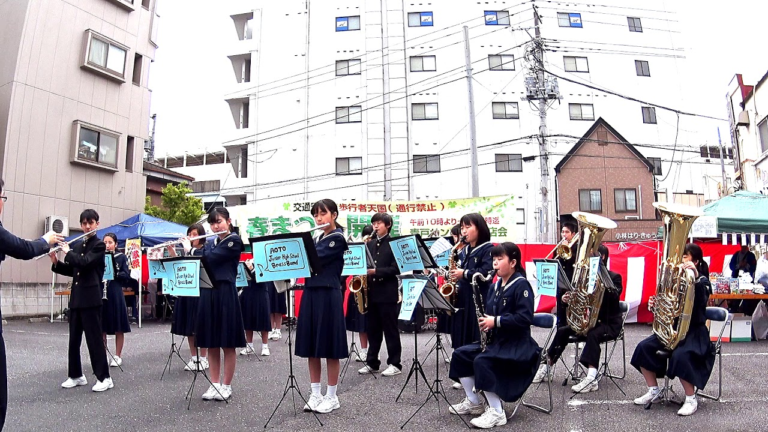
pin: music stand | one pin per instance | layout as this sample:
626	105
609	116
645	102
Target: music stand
355	268
175	349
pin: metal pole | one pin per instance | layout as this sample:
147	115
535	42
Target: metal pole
385	100
472	131
724	188
543	154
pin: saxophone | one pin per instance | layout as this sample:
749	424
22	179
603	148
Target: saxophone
449	288
675	289
583	306
480	305
359	287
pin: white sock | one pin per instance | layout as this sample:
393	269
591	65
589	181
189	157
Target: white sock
194	358
331	391
469	385
250	345
201	358
691	398
592	373
315	389
494	401
654	389
264	346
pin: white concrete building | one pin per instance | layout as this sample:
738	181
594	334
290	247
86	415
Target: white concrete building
748	111
368	99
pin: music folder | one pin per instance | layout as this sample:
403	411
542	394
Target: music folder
284	256
429	296
562	280
204	280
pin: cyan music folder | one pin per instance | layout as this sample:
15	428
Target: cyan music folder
284	256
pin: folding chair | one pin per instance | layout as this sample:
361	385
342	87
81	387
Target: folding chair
545	321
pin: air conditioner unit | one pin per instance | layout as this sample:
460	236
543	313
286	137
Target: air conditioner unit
632	217
60	224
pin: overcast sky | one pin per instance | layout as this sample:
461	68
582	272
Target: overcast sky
191	72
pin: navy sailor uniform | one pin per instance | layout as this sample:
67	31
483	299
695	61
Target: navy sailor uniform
509	363
185	315
114	313
320	331
254	303
694	357
464	326
219	321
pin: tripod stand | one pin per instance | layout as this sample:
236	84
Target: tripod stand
290	384
199	369
175	349
439	348
437	385
416	369
353	353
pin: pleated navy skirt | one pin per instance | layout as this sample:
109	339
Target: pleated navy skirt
355	321
184	316
692	360
277	301
320	331
219	321
254	304
114	313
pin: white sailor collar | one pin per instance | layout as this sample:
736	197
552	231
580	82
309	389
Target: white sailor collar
220	240
477	248
323	237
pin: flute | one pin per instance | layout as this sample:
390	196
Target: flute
177	241
58	248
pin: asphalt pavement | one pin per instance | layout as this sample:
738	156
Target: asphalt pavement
140	401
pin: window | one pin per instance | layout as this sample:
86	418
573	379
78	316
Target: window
353	114
95	146
145	4
206	186
762	130
656	165
576	64
501	62
714	152
138	60
347	23
349	166
423	64
509	163
424	111
243	162
649	115
105	56
243	200
634	25
247	71
625	200
505	110
347	67
565	19
426	163
129	156
125	4
590	200
641	66
420	19
496	18
520	216
581	111
245	114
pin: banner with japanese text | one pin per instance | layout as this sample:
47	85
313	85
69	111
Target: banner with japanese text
427	218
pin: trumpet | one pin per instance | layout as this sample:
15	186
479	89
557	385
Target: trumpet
58	248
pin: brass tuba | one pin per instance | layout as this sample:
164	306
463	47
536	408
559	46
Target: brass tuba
449	288
675	288
583	306
359	287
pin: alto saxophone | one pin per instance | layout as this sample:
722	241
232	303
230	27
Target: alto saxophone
480	305
359	287
449	288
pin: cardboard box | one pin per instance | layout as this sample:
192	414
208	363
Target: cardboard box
714	329
741	329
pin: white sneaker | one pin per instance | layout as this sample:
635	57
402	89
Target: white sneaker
367	370
271	335
689	407
489	419
542	374
70	383
278	334
362	355
211	392
204	363
644	399
247	350
391	370
224	393
101	386
192	365
265	350
313	402
115	362
467	407
586	385
328	404
457	385
447	359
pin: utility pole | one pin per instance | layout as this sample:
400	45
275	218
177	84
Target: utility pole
385	104
151	147
472	130
724	188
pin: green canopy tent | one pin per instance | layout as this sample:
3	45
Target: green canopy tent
740	213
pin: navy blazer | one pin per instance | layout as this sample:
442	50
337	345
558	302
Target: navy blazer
512	306
474	260
221	257
15	247
383	284
330	249
84	263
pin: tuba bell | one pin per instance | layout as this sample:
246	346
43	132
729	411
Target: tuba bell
584	306
675	288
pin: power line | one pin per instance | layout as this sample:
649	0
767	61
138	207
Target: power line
612	44
608	13
581	50
606	6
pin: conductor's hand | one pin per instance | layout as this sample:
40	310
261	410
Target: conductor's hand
486	323
371	272
566	297
186	244
52	237
457	273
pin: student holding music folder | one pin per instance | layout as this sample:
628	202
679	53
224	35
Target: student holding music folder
254	304
320	332
219	324
354	320
114	313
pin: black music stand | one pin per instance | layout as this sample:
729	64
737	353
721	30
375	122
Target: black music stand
175	349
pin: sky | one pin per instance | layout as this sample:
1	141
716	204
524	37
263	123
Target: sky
191	72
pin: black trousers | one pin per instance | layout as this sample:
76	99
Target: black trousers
3	382
590	355
88	321
382	324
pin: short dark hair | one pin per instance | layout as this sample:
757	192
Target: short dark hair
604	254
113	236
511	251
384	218
572	227
89	215
476	219
367	230
697	256
198	228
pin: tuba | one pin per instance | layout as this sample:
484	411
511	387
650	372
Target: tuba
675	288
584	306
448	289
359	287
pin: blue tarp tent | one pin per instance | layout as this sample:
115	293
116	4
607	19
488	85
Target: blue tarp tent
149	229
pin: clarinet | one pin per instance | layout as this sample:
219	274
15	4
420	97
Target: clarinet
480	306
